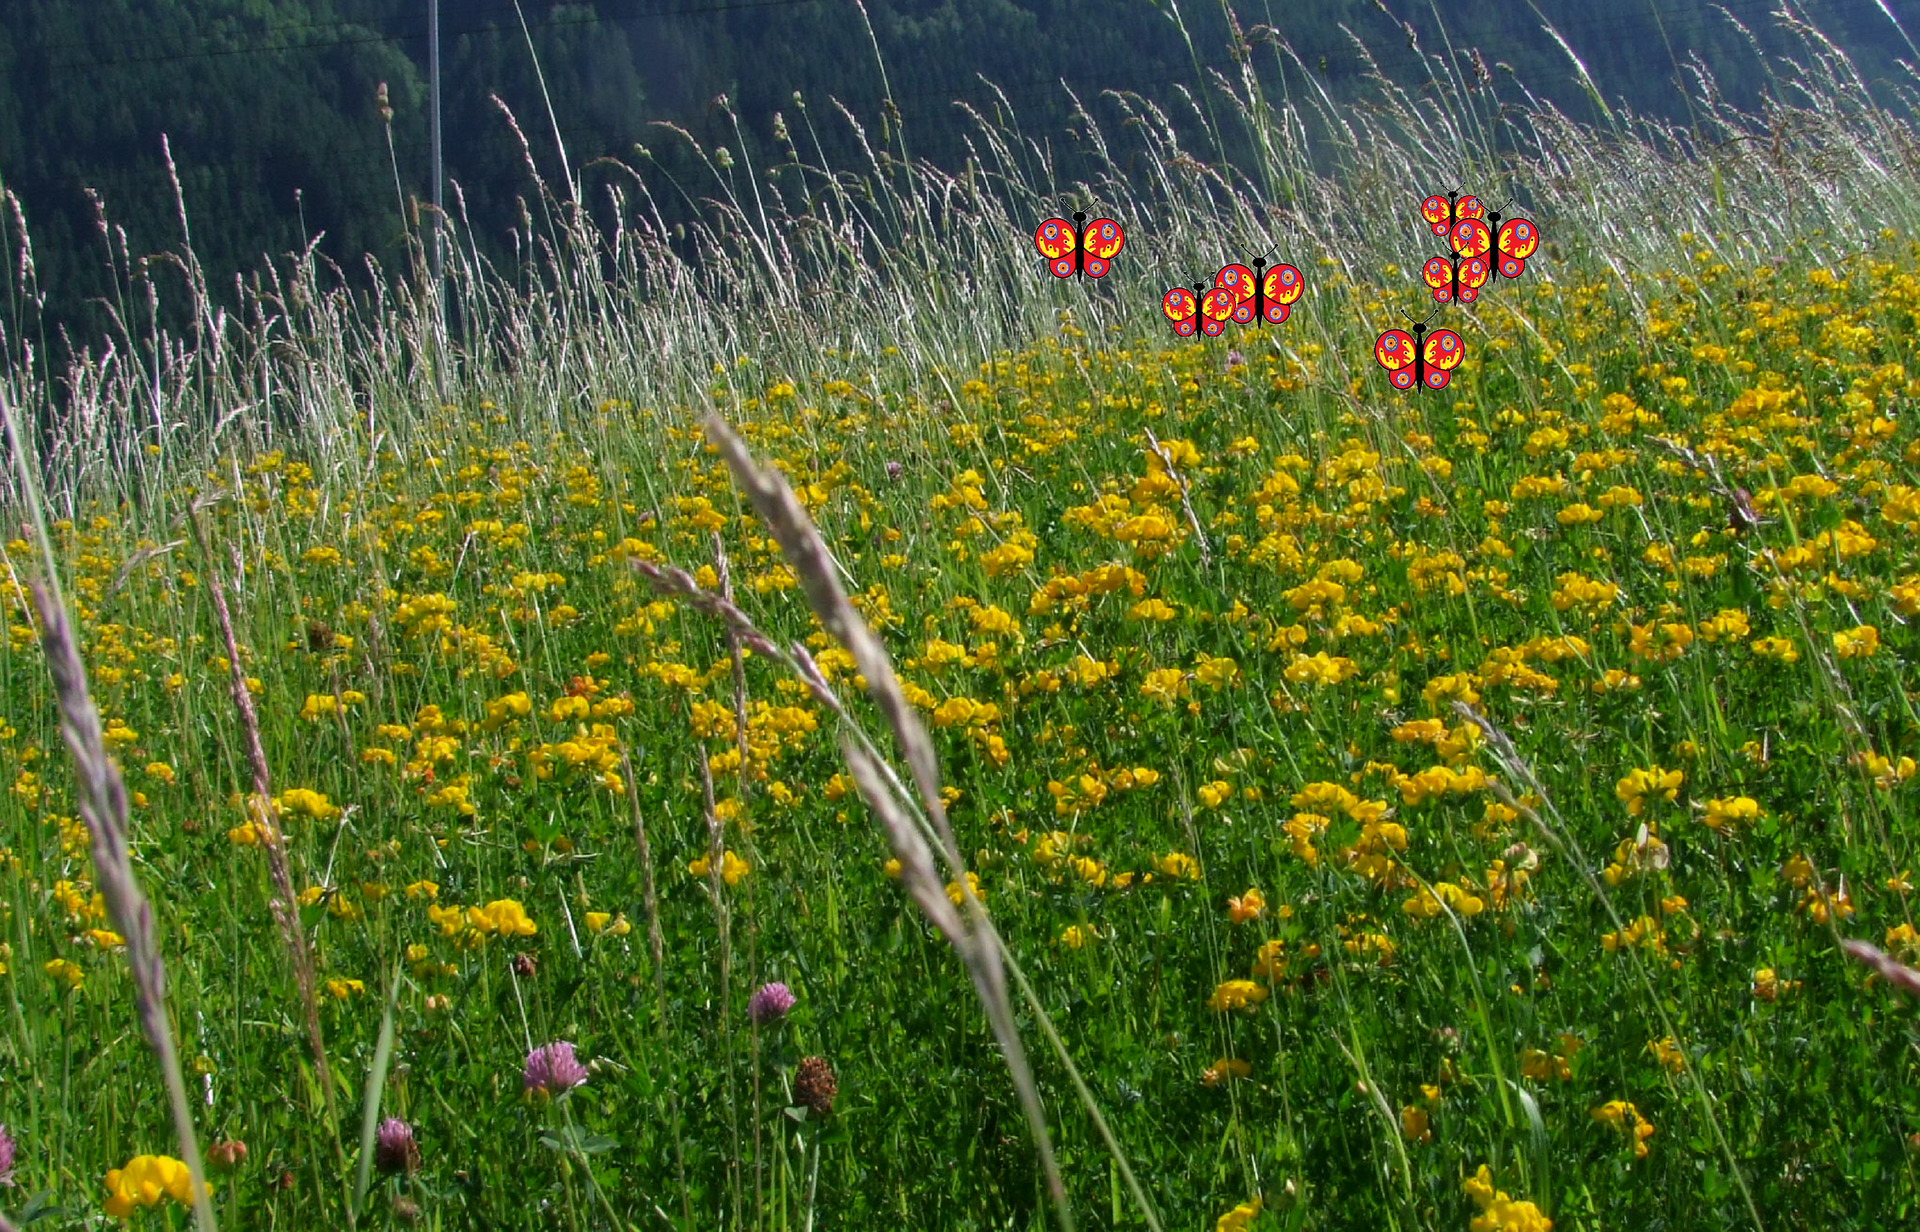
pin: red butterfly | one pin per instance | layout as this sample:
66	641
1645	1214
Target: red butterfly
1411	362
1442	213
1517	239
1455	279
1475	233
1072	250
1261	297
1200	308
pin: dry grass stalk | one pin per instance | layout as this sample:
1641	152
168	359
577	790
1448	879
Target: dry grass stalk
907	835
1193	519
974	941
101	799
656	946
1898	974
285	913
724	573
774	501
723	924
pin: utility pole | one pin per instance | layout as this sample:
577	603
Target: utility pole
439	173
439	178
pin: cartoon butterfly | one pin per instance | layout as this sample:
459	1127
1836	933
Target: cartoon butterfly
1475	233
1516	239
1070	249
1442	213
1455	279
1412	362
1261	297
1206	310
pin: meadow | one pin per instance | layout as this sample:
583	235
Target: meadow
1333	807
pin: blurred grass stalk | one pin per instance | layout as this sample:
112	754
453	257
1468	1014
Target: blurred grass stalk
914	821
284	905
100	797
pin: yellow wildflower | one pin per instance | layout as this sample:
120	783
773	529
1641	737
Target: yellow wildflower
1236	994
1225	1068
1239	1219
732	868
1640	784
144	1181
1498	1212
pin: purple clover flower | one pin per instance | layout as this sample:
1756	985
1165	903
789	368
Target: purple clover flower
394	1149
552	1068
8	1149
769	1003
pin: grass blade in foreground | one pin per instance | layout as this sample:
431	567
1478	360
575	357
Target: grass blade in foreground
273	842
909	829
101	798
802	545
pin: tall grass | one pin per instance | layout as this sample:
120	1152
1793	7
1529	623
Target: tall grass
811	264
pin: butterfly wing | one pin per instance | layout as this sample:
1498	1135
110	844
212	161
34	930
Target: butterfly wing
1518	240
1434	210
1443	352
1470	207
1394	351
1471	238
1104	241
1215	307
1474	273
1280	288
1056	239
1282	284
1238	280
1181	308
1438	274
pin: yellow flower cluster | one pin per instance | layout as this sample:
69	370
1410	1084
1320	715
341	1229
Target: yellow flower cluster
144	1181
732	868
1638	786
1626	1118
1240	1218
303	802
470	927
1498	1212
1236	995
594	751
